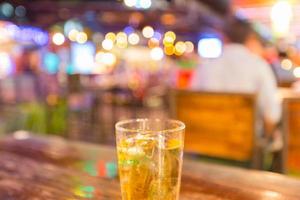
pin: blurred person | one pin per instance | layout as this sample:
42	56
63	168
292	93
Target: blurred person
242	69
27	83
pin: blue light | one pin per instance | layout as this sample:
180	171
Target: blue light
72	24
41	38
70	69
83	57
13	30
157	35
144	4
28	34
20	11
210	47
128	30
6	9
51	62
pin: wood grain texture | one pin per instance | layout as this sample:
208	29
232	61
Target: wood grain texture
217	125
55	169
291	120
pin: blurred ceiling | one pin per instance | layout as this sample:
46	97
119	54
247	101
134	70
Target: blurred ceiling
220	6
112	14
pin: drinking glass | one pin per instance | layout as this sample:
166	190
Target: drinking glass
150	155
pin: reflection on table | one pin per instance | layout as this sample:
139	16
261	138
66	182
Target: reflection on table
52	168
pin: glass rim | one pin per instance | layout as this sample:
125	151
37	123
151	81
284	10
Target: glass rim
118	126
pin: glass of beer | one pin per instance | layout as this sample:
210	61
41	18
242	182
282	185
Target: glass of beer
150	155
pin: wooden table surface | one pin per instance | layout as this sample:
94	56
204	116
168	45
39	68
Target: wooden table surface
54	169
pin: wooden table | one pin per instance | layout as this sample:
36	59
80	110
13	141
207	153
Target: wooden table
54	169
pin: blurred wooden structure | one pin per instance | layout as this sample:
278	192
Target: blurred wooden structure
291	124
219	125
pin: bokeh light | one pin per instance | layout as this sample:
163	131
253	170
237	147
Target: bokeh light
81	37
286	64
180	48
121	38
210	47
73	35
8	32
168	19
111	36
157	35
6	9
58	38
148	32
281	15
169	50
29	34
168	41
128	30
105	58
83	57
142	4
153	42
130	3
157	53
51	62
145	4
133	39
170	34
20	11
72	24
107	44
189	47
6	65
296	72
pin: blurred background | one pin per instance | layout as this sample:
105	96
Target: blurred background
74	68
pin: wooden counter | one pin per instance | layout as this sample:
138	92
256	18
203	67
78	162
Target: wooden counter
52	168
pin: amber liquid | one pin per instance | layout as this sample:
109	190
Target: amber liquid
150	168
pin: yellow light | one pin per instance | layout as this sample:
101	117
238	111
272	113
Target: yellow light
148	32
180	48
121	40
73	35
189	47
171	34
58	38
121	37
168	41
81	37
107	44
169	50
157	53
281	16
153	42
107	58
130	3
122	45
286	64
296	72
110	36
133	39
